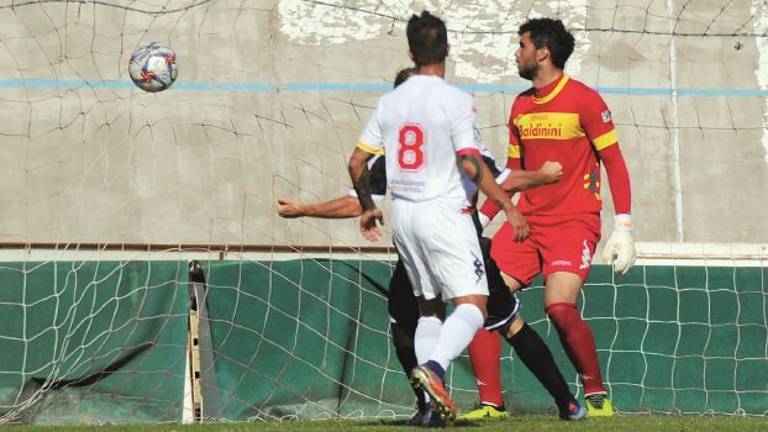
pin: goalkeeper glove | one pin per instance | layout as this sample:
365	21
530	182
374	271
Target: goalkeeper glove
620	249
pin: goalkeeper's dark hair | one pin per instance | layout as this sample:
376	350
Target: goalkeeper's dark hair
403	75
551	34
427	39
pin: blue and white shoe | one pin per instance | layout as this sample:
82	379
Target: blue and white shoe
574	412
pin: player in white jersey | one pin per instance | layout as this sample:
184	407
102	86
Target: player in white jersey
434	167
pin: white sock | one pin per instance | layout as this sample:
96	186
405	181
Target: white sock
427	335
457	332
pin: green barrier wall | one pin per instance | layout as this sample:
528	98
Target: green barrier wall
92	342
309	339
104	342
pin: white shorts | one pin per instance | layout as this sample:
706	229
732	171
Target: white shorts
439	247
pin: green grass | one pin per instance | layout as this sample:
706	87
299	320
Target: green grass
516	423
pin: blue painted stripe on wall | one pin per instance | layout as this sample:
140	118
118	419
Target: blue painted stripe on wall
362	87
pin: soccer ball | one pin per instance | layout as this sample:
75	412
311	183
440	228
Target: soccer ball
153	67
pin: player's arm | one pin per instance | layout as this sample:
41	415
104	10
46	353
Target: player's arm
478	171
620	248
514	181
341	207
370	144
514	163
371	216
469	150
618	178
338	208
361	181
519	180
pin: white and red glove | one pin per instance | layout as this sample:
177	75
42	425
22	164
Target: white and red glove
620	249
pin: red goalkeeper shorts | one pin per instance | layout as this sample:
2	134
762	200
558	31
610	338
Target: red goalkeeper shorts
556	243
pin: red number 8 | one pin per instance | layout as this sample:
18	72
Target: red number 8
410	157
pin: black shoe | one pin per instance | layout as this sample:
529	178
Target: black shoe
426	416
432	418
422	411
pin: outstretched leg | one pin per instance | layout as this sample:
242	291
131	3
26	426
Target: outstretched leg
537	357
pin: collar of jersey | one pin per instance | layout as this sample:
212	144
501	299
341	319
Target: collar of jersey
427	77
551	95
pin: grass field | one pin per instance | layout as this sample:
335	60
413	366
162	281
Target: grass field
517	423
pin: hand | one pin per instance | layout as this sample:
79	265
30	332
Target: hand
518	223
369	227
289	208
550	172
620	249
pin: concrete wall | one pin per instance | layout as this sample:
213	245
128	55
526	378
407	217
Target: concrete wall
89	158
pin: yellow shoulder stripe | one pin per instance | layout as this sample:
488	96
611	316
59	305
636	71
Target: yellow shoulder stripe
605	140
364	146
513	151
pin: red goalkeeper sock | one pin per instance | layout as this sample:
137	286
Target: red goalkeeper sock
579	344
485	353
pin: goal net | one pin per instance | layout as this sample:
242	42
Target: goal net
308	337
110	191
103	337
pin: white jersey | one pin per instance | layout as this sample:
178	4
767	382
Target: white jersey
422	126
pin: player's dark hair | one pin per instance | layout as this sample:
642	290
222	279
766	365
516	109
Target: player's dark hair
403	75
551	34
427	39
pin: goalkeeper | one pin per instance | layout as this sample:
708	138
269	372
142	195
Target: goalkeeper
503	307
562	119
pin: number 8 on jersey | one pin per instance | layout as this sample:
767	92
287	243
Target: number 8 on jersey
410	156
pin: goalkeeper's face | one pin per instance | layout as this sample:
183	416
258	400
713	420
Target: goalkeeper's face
525	57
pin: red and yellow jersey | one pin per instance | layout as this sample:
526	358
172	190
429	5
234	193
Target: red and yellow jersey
566	122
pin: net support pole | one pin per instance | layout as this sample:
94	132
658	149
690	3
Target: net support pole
193	347
209	402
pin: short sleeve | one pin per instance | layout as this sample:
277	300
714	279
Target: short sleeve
464	130
371	141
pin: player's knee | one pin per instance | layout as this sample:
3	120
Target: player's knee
511	283
563	315
479	301
471	313
515	326
429	319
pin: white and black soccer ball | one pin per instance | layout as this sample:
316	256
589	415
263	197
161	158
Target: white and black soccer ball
153	67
